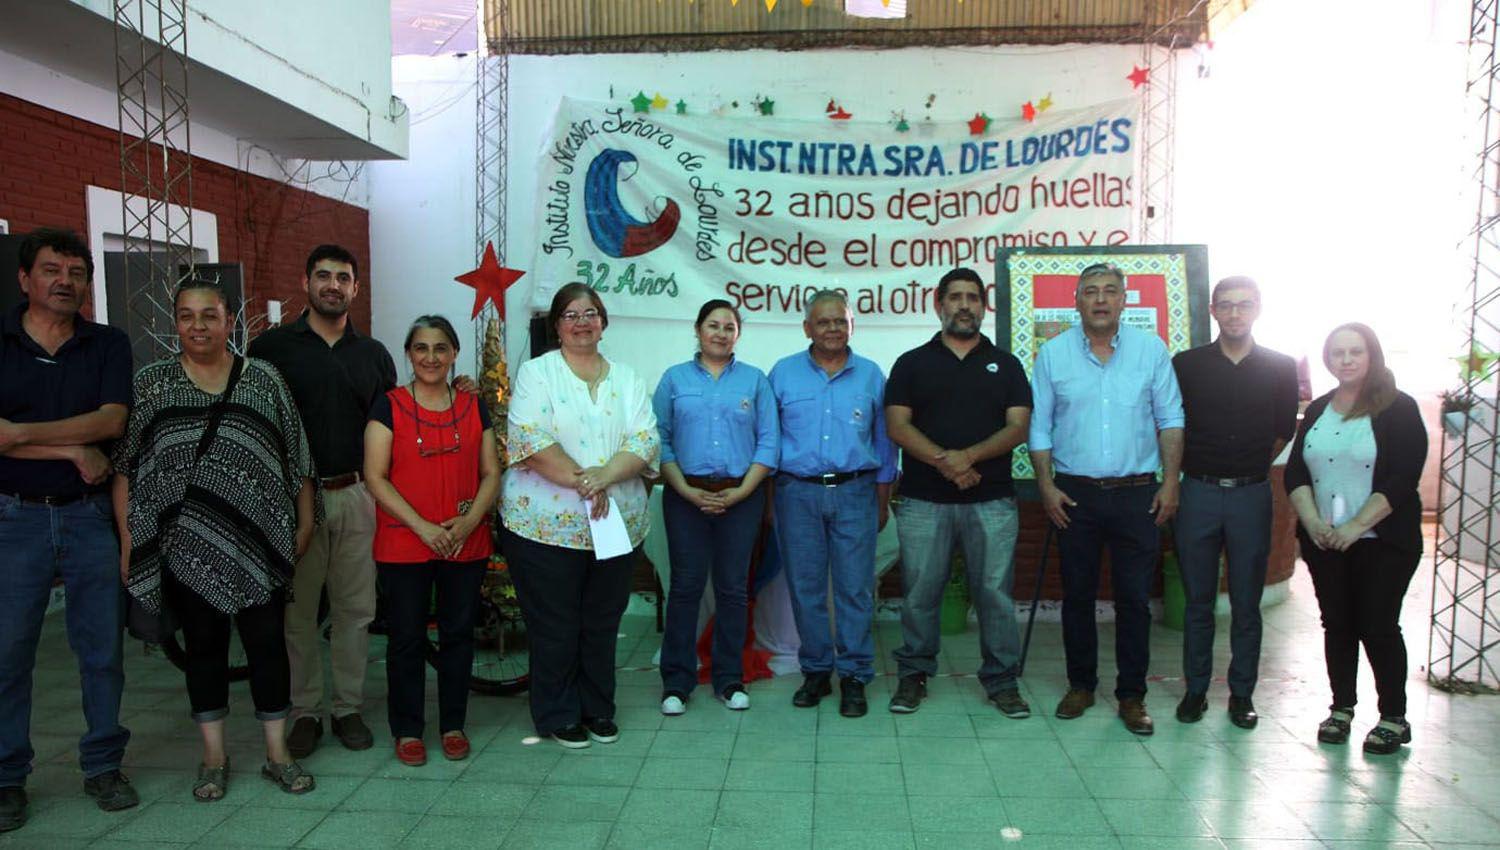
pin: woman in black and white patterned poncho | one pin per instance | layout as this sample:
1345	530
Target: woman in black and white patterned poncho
216	501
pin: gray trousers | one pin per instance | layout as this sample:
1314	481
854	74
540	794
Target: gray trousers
987	533
1237	522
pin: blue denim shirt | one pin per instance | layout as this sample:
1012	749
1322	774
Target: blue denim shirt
832	423
1101	419
717	427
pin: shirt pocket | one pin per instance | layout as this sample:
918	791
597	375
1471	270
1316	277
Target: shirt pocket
689	409
860	413
800	411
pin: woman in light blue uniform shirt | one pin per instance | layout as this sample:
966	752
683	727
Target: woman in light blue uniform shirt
719	441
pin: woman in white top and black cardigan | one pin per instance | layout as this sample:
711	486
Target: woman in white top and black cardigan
581	434
1352	477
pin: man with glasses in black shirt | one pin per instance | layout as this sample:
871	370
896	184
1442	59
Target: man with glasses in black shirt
1241	404
335	374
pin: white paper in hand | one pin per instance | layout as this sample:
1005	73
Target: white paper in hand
611	538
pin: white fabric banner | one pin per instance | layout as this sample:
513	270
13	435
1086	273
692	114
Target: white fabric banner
660	212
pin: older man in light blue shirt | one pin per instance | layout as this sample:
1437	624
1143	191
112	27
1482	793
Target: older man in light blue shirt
832	498
1107	416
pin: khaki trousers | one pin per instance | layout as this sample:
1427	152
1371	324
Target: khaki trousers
340	558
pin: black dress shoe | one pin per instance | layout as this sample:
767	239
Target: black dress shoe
303	739
12	808
111	791
352	732
1242	712
852	702
815	686
1191	709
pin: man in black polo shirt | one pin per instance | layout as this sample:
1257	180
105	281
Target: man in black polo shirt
335	374
1241	404
957	406
64	395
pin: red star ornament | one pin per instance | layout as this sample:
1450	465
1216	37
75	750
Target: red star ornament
841	115
1137	76
1028	111
490	281
978	124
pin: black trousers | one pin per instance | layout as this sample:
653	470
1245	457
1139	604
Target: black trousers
572	604
205	633
1359	595
1121	519
408	593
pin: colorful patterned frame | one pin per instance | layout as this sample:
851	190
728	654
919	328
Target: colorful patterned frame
1184	267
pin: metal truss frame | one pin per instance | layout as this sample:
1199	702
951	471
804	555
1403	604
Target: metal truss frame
156	165
1463	651
492	87
1158	140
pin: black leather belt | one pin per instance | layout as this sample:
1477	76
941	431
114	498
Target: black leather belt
51	501
1110	483
339	482
1243	481
832	479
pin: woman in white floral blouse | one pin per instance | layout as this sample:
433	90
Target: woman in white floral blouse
581	436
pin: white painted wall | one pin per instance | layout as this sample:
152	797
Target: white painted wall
422	210
329	58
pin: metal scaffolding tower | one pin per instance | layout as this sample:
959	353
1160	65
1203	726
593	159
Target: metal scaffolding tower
151	74
1158	138
1464	641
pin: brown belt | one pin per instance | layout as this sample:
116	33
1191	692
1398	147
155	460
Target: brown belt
1111	483
713	485
339	482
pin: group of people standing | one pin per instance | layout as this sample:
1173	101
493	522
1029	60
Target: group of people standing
240	491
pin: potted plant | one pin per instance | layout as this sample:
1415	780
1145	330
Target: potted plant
1456	408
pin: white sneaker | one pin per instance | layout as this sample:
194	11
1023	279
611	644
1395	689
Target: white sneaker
673	706
736	700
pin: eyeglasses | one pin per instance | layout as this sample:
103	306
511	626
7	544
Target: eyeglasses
422	449
573	317
1235	306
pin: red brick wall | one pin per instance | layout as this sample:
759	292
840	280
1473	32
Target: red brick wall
47	159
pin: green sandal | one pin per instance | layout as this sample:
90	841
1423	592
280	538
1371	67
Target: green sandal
289	777
213	780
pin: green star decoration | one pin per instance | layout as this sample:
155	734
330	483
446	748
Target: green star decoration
681	107
641	102
766	106
902	126
1476	365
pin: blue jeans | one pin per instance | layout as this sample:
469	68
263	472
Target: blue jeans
76	541
1122	519
700	544
1237	522
987	533
830	532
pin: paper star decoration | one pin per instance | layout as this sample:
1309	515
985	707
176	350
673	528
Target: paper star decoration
979	124
766	106
660	102
681	107
490	281
1475	365
1045	103
641	102
770	5
1137	76
841	115
902	126
1028	111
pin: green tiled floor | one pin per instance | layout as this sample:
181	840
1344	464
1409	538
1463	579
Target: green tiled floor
954	775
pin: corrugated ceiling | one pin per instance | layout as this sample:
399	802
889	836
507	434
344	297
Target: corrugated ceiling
629	26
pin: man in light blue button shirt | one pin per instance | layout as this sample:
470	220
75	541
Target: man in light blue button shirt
1107	416
833	491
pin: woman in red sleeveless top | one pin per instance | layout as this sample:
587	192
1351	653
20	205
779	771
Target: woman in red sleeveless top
430	464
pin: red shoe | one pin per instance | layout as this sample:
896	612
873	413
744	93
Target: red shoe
455	746
412	753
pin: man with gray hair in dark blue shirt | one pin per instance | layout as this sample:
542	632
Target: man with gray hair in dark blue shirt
64	395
